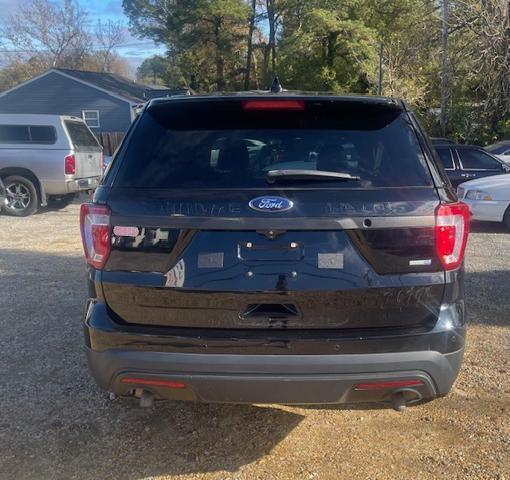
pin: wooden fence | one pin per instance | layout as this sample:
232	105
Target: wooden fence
109	140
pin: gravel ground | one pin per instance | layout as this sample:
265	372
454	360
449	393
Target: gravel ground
56	424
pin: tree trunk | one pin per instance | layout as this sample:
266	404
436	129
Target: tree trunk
265	65
249	54
331	49
220	78
220	61
271	46
106	62
255	71
380	71
444	65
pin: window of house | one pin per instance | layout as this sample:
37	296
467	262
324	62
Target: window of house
91	118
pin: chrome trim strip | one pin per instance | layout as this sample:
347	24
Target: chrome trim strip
271	223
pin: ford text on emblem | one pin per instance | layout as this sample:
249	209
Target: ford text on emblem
270	204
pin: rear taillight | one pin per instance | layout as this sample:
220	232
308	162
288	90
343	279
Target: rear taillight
95	233
70	165
452	227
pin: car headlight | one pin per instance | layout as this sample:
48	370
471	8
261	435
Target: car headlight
478	195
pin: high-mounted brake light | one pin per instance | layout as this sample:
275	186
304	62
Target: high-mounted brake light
70	164
95	233
452	227
277	104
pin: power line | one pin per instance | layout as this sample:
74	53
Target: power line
129	44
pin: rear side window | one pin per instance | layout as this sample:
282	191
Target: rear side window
216	144
41	134
477	160
81	135
14	134
445	155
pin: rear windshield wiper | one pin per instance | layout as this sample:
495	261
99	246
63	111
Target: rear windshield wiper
314	175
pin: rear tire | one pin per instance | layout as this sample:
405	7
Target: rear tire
506	219
22	197
62	201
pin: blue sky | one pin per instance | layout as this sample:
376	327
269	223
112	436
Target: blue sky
134	49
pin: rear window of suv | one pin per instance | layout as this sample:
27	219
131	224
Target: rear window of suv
217	144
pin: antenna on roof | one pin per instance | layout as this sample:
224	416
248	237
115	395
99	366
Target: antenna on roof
276	86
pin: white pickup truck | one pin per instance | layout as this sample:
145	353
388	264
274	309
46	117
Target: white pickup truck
46	159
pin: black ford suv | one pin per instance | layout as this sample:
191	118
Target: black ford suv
275	248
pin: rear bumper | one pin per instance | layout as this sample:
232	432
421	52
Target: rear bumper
289	379
80	184
306	370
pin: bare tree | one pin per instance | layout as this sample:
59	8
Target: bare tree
56	32
109	36
271	11
273	16
488	53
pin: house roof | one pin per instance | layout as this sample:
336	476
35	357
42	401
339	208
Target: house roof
120	86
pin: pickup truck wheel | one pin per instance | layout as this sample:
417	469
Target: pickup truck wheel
22	198
62	201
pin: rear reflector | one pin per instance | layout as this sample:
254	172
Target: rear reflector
70	165
153	382
452	227
278	104
95	233
388	385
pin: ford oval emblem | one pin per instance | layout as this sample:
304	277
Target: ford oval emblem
271	204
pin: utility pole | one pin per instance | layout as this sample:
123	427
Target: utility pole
444	65
380	76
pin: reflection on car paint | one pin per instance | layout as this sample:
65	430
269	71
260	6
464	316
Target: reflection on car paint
176	275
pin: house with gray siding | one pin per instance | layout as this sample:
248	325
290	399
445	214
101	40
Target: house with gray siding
105	101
